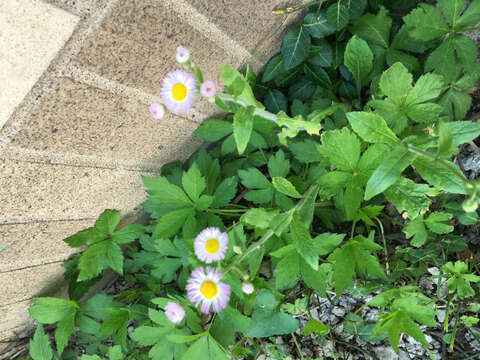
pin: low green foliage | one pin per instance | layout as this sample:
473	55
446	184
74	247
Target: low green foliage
332	171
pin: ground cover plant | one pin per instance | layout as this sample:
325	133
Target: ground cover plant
331	172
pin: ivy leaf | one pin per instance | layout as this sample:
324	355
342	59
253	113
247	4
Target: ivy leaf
267	321
40	345
242	127
375	29
295	47
389	171
338	15
358	59
426	23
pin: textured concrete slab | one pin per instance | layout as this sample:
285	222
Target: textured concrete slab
247	22
76	118
31	34
24	284
35	244
136	42
15	318
83	8
41	191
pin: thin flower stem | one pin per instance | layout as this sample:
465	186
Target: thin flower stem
262	113
297	345
258	244
290	10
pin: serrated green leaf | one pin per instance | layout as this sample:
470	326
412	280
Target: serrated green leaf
353	196
65	328
317	75
355	7
416	229
93	261
455	104
396	83
344	139
371	127
171	222
403	41
427	87
295	47
115	257
471	16
438	176
338	15
107	222
463	131
436	222
303	242
445	141
426	23
443	61
242	127
214	129
317	280
128	233
467	51
333	182
149	335
287	269
229	75
306	151
205	348
40	348
225	192
389	171
375	29
358	59
452	10
163	192
343	269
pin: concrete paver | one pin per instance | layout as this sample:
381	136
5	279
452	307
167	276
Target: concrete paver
31	34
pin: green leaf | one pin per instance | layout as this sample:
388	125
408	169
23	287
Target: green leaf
371	127
275	101
338	15
170	223
266	321
317	25
416	229
445	141
403	41
463	131
225	192
115	353
353	196
128	233
107	222
467	51
333	182
303	242
409	61
427	87
242	127
213	130
327	242
273	69
116	322
285	187
355	7
258	217
343	269
426	23
163	192
315	326
375	29
302	90
287	270
40	345
471	16
229	75
436	222
149	335
115	257
389	171
455	104
358	59
93	261
396	83
85	237
317	75
204	202
317	280
278	165
344	139
306	151
295	47
438	176
65	328
255	180
408	196
452	9
324	56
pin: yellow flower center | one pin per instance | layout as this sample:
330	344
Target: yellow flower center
179	91
208	289
212	245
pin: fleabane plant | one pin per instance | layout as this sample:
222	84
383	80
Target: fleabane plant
333	173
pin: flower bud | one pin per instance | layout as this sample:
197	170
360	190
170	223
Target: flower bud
247	288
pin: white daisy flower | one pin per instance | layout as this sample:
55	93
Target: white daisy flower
204	287
179	90
183	55
210	245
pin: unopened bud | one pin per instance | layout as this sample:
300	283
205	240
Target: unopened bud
470	205
247	288
237	249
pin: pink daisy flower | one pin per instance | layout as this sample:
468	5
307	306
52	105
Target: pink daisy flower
208	89
174	312
247	288
204	288
210	245
157	111
179	90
